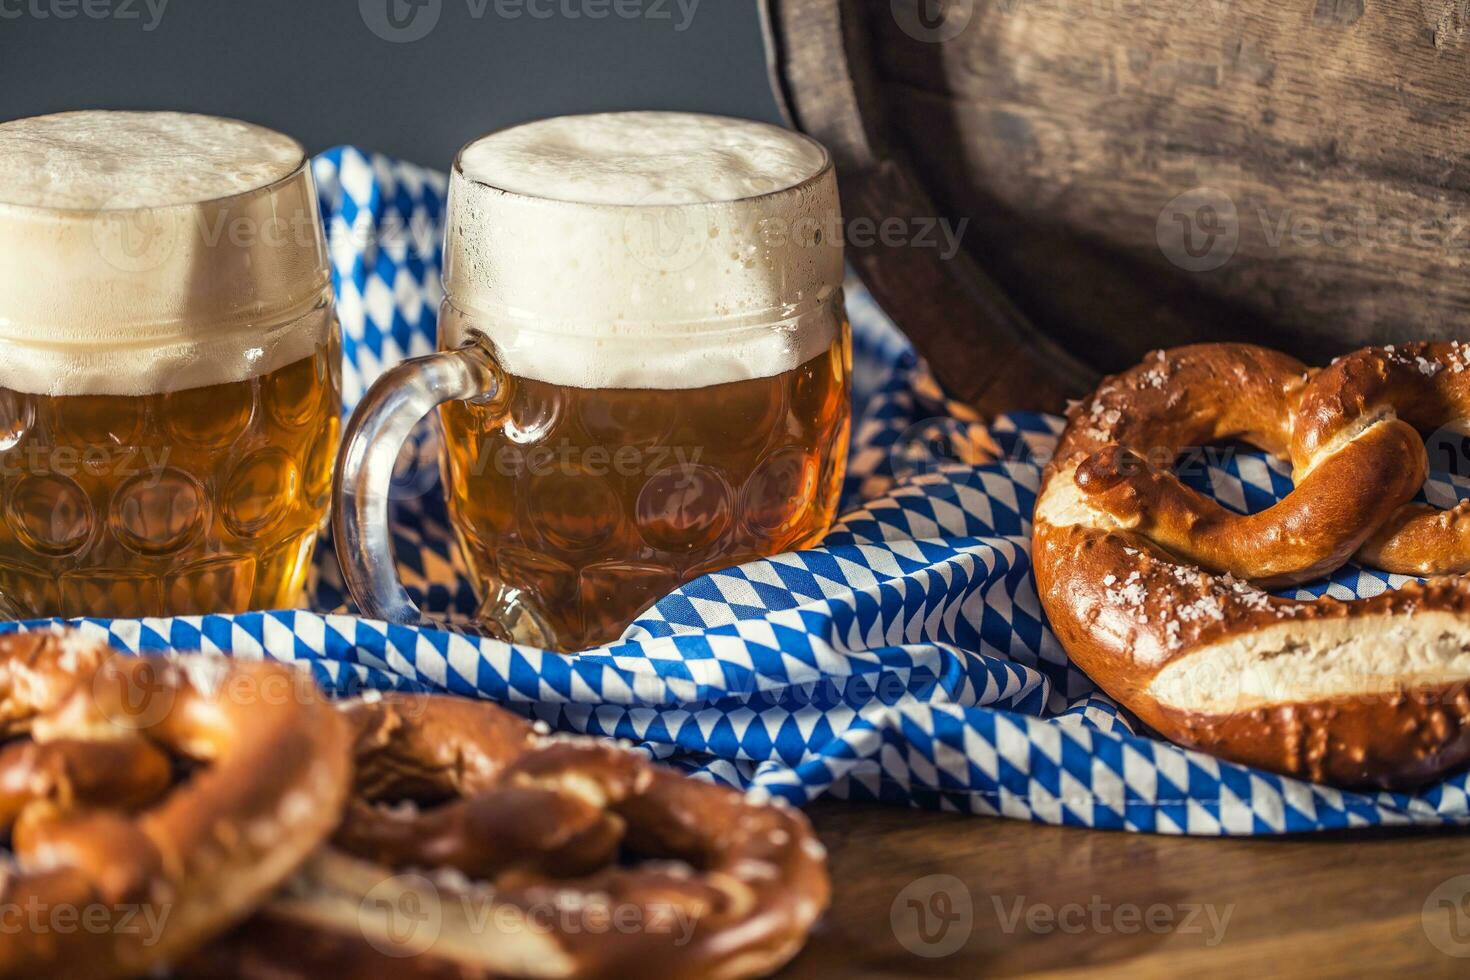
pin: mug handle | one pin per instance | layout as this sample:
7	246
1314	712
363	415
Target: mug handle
382	422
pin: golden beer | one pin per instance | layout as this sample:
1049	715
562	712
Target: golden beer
588	505
644	370
197	501
169	367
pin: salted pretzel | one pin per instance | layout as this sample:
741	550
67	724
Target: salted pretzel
1426	385
479	845
155	802
1144	581
1120	445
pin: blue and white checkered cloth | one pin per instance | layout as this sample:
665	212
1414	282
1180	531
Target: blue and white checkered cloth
906	660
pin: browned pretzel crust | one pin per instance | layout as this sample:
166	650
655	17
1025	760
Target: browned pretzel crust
97	826
1120	445
1371	691
534	850
1365	692
1426	385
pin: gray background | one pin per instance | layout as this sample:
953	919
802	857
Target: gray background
316	68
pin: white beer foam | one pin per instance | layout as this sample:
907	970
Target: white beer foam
99	159
642	158
645	249
154	251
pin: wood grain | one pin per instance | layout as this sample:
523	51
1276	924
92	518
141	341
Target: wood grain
1337	129
1323	905
980	346
1334	131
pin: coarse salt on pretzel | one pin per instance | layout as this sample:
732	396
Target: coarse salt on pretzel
1371	691
1426	385
534	855
1113	465
99	827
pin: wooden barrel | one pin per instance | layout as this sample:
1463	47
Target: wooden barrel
1142	173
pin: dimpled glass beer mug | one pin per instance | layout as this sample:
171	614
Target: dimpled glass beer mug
643	373
169	360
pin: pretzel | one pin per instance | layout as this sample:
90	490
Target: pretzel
531	855
1426	385
1143	581
99	829
1119	446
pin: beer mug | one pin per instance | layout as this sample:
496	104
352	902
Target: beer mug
643	376
169	366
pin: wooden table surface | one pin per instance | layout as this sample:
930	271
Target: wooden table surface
1063	901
